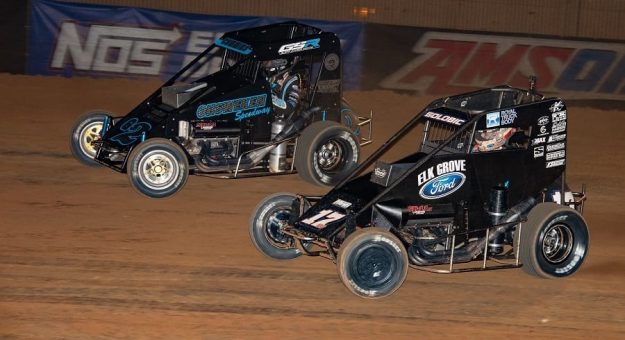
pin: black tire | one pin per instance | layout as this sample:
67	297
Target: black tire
372	263
86	129
265	223
326	153
158	168
554	241
350	120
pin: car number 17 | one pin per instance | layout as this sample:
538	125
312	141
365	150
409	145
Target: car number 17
322	219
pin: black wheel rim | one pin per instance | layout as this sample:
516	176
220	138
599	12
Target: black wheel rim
557	243
373	266
275	221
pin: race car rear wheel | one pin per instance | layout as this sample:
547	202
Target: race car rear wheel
372	263
326	153
268	217
85	131
158	168
554	241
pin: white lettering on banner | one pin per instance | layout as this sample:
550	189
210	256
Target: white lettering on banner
447	63
113	48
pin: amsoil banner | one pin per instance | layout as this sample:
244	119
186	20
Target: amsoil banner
107	41
443	63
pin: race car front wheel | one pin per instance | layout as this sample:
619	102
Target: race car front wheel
372	263
158	168
554	241
86	130
269	216
326	153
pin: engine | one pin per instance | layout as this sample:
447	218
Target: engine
208	144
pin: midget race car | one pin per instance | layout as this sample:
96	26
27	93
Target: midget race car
260	101
484	189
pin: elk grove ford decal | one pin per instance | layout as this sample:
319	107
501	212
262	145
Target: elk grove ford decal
442	179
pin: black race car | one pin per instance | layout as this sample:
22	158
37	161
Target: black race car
260	101
484	189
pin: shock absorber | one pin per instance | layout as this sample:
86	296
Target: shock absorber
497	207
277	157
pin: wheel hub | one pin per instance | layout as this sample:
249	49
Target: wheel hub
374	266
330	155
158	169
276	221
557	243
88	135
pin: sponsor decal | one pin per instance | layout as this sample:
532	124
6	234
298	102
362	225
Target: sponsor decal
445	118
323	218
234	45
448	63
503	117
492	120
556	138
543	131
556	146
558	116
539	140
205	125
328	86
419	209
553	164
379	172
243	107
539	151
439	169
508	116
544	120
131	131
331	62
555	155
558	127
557	106
299	46
443	185
342	204
442	179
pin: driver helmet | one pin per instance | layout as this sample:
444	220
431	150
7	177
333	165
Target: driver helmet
276	66
492	139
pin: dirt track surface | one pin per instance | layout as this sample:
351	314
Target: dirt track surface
82	255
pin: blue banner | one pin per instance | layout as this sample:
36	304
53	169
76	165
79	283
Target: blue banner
72	39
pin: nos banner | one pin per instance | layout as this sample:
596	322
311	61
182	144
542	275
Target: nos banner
106	41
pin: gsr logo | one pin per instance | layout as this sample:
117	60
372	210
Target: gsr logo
299	46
